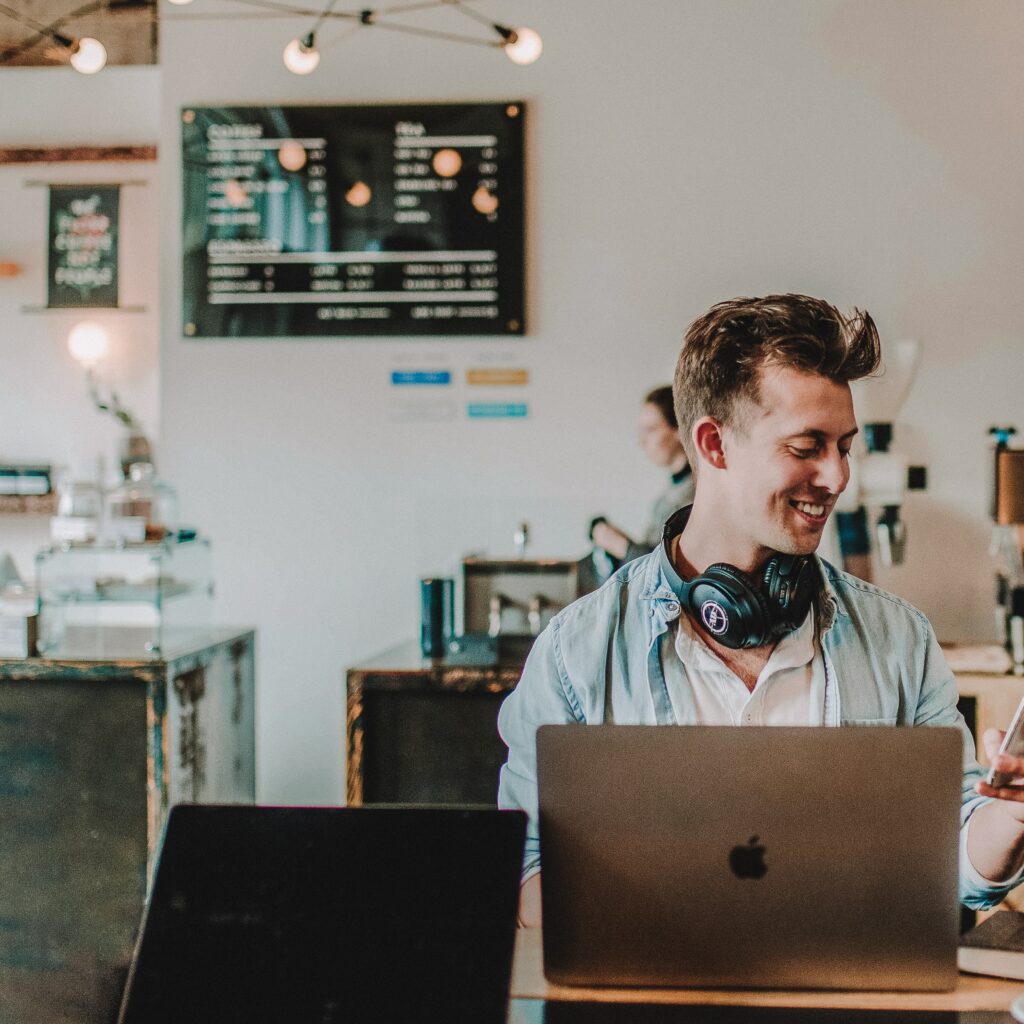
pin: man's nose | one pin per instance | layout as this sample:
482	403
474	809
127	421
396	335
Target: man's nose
833	472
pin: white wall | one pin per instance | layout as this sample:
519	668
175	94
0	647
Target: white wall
45	412
679	153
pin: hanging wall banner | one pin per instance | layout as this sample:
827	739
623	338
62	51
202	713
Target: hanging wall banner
83	245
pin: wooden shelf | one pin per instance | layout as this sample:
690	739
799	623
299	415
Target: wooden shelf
28	504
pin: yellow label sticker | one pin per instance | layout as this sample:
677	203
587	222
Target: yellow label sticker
499	377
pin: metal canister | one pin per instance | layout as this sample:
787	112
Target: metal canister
437	614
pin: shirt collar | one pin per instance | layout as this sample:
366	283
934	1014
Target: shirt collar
793	649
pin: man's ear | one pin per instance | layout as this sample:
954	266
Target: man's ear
708	442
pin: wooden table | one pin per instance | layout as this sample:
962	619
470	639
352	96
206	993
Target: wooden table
973	992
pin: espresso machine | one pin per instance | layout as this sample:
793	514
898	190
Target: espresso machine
1007	541
508	601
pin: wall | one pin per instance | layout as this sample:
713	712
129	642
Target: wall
864	151
45	411
680	153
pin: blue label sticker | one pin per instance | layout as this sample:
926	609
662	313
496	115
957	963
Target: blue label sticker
497	410
435	377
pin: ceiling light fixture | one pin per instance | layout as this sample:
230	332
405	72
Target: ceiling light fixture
521	45
301	55
88	55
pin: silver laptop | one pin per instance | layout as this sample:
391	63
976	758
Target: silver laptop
718	857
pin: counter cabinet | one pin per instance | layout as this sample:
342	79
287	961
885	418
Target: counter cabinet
92	755
422	730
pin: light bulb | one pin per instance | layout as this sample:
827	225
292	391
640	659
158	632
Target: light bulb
359	194
525	46
292	155
88	55
483	201
88	342
447	163
235	194
301	56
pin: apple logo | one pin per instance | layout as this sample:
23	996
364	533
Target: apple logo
748	861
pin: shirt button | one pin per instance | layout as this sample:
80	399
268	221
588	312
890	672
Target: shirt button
672	607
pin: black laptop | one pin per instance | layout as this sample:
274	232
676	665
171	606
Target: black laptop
323	915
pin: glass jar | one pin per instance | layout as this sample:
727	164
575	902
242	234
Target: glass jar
79	498
142	495
134	447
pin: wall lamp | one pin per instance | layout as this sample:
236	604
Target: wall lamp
88	345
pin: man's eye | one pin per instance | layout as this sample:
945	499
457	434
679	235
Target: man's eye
804	453
844	452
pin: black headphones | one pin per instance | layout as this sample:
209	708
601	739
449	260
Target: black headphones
742	609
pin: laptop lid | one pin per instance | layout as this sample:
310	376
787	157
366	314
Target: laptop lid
750	857
317	915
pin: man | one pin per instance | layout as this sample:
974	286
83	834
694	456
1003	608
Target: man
765	413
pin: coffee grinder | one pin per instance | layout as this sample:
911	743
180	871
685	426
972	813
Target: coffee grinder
1007	541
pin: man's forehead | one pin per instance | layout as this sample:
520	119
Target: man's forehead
798	402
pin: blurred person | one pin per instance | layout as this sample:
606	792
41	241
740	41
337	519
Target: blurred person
659	438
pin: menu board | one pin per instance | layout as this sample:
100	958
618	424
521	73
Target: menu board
357	220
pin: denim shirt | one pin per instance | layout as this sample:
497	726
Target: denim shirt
599	661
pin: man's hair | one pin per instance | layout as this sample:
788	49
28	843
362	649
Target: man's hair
725	350
661	399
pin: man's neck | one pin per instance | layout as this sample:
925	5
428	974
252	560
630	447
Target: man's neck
707	539
745	664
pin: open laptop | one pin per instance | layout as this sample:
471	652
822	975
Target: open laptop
726	857
317	915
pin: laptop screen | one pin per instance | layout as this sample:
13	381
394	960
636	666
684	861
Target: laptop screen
329	914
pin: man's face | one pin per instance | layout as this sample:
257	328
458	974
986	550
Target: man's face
786	459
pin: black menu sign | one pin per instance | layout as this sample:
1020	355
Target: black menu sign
356	220
82	266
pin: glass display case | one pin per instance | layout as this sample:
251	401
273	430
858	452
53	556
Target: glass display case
124	601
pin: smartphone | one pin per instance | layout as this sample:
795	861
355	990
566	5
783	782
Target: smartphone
1013	744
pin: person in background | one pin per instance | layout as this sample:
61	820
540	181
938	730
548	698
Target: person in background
659	438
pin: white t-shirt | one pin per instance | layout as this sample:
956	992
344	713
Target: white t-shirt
789	691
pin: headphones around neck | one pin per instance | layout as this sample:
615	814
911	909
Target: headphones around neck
741	609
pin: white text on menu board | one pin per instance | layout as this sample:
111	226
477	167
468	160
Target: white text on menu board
441	284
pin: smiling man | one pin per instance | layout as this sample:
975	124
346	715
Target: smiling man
733	620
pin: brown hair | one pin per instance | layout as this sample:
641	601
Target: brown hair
661	399
725	349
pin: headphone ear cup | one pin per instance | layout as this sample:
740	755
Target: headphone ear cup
730	605
789	585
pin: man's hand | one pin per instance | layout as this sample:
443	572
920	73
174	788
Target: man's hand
529	903
612	540
995	837
1011	797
